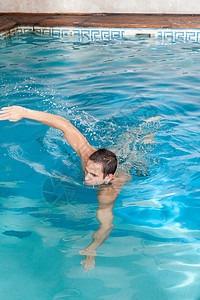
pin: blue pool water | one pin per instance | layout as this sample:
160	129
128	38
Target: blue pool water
107	90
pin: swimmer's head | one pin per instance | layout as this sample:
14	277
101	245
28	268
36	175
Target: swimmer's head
101	167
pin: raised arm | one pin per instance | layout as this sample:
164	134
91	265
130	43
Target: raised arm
72	134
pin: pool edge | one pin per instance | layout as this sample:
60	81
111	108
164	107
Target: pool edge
95	34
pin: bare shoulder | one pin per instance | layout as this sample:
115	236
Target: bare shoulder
120	179
85	151
113	189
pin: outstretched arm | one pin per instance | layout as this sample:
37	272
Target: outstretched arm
72	134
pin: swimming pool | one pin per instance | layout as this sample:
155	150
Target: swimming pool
107	89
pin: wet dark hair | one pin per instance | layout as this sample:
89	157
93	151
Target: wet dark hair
107	158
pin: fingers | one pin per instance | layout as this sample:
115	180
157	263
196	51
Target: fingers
86	268
83	262
4	113
6	108
11	113
4	116
87	265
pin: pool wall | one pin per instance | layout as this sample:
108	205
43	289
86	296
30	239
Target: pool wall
102	6
106	34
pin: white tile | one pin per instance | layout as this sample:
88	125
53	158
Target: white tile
103	34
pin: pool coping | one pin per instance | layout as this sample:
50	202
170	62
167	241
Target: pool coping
11	20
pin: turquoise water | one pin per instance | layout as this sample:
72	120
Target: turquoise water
107	90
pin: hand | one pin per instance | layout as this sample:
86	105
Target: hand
89	263
12	113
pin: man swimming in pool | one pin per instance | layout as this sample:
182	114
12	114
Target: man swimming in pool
99	166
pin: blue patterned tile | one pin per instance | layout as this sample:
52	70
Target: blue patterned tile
47	31
27	29
56	32
193	36
65	33
38	30
106	34
116	34
13	31
19	31
4	35
95	35
179	35
85	35
82	34
198	36
77	34
22	30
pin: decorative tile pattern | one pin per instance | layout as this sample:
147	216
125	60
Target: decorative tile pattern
107	34
15	31
24	29
4	35
179	35
82	34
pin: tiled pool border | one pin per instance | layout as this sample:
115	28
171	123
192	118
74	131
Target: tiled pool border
85	34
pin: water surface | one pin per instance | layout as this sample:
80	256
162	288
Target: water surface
107	90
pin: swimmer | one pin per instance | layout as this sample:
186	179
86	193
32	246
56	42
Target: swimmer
99	167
